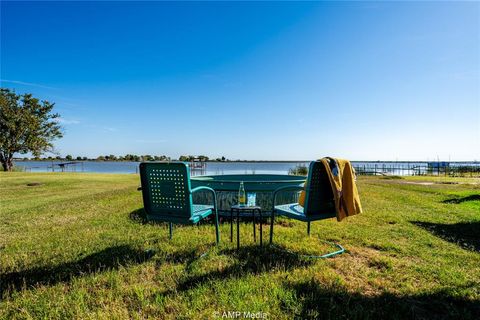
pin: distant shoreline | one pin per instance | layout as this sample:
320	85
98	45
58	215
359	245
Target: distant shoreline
254	161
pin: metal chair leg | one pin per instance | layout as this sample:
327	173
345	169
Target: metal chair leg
254	229
238	229
170	227
217	231
271	226
231	225
261	231
308	228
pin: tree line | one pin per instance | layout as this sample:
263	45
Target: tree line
127	157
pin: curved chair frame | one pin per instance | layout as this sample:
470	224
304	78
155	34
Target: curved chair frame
167	196
295	211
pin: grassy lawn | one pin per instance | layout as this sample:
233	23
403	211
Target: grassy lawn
72	248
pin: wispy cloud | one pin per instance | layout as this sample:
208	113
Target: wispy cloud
68	121
104	128
38	85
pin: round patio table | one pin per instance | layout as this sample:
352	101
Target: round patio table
262	185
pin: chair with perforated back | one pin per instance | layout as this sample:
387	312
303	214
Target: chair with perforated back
167	195
319	202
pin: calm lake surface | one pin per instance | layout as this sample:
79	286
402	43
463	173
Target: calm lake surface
132	167
215	168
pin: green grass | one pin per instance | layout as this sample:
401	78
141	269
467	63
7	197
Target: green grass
71	247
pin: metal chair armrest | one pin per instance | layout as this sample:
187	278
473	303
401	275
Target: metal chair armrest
282	189
202	188
209	190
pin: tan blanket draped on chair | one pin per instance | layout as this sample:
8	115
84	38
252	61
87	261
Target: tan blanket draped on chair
342	181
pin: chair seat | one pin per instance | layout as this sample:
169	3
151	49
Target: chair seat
295	211
200	211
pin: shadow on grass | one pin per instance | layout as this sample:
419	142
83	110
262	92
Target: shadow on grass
472	197
464	234
107	259
319	302
249	260
139	216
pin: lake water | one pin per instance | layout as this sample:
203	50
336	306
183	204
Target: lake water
214	168
132	167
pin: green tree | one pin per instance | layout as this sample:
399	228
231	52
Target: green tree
69	157
131	157
26	125
147	157
203	158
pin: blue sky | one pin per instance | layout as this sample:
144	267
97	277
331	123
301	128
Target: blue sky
291	81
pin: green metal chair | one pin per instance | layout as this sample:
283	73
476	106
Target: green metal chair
319	202
167	195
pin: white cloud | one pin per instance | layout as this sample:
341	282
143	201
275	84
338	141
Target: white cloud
68	121
27	84
104	128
